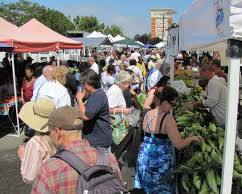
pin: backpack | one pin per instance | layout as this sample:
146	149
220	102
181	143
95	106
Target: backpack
97	179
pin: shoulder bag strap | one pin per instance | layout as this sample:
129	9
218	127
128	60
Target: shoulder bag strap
162	121
37	94
102	156
72	159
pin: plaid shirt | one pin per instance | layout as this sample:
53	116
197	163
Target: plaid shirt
56	176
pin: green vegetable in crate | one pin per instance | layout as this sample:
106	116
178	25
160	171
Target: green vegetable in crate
207	148
218	178
204	188
207	157
238	168
184	181
197	181
237	175
197	158
185	169
236	159
213	146
211	179
203	145
212	127
216	158
220	141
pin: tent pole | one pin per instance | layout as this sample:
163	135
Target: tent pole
15	94
58	58
231	116
172	70
64	55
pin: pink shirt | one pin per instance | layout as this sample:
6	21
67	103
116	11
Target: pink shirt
37	151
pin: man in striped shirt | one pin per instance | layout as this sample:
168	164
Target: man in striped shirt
56	176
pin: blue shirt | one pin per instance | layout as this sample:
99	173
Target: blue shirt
98	130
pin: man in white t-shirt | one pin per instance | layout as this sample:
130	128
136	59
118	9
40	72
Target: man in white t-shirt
93	64
154	75
46	73
55	91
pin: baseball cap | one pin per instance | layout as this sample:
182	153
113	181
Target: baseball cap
36	114
65	117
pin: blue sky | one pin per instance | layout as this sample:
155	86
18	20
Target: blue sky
131	15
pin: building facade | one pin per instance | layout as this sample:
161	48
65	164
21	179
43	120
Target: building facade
161	19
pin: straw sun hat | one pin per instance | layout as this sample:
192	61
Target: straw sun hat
36	114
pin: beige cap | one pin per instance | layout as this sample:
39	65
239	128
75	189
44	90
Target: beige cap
36	114
66	118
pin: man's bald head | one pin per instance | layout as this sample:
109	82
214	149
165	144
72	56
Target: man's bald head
47	71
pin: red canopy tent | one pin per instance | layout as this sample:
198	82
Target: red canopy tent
34	37
38	29
6	27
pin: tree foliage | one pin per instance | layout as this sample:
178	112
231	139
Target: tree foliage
146	38
91	23
86	23
113	30
22	11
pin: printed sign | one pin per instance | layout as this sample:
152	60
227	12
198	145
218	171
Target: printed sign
220	17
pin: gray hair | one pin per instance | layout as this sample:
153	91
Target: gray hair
123	77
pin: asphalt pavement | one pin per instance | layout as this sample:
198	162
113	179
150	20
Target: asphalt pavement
10	179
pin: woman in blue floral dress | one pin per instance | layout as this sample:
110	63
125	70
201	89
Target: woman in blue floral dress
155	159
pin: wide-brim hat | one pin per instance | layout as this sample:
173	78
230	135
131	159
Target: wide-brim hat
36	114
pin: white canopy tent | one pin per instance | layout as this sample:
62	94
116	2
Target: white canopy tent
118	38
160	45
111	38
216	25
96	34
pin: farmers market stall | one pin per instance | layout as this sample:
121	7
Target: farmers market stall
32	37
218	27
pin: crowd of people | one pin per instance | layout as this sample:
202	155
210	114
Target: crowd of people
71	110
